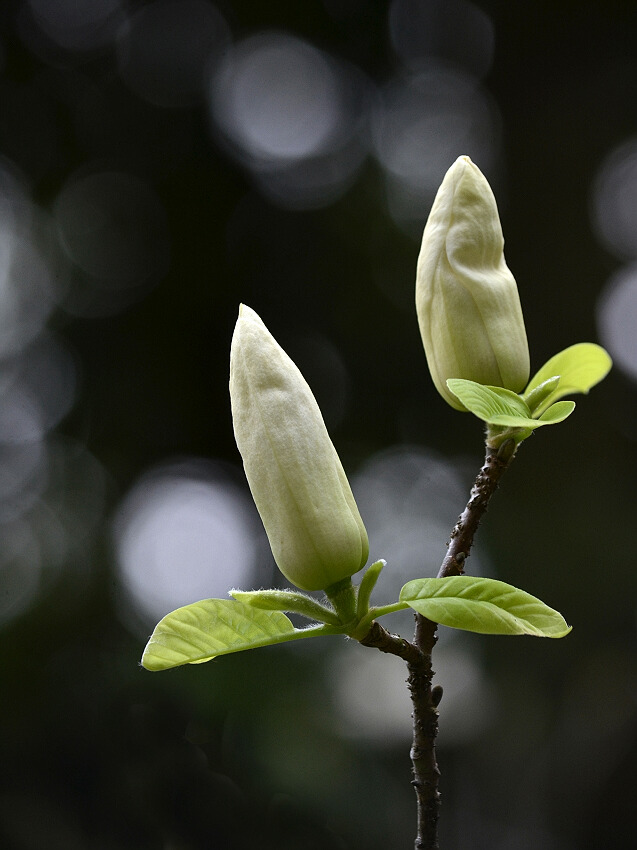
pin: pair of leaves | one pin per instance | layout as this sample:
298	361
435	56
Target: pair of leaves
504	408
574	370
204	630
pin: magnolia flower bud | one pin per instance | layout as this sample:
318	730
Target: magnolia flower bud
467	300
296	478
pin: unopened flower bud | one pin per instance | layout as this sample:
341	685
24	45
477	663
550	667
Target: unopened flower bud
295	475
467	300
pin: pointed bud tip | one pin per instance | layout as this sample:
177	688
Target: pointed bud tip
463	162
246	312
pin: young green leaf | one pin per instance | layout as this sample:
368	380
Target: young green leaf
287	600
212	627
536	397
366	586
501	407
483	605
557	412
488	403
580	367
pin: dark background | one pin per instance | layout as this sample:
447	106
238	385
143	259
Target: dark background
162	162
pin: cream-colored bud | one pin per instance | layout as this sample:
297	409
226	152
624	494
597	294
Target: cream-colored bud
295	475
467	300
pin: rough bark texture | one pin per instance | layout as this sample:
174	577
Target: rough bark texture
379	638
424	700
465	528
424	697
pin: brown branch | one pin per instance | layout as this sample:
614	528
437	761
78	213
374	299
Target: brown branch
424	697
485	485
379	638
424	700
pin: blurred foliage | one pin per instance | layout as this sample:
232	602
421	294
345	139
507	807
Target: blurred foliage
253	750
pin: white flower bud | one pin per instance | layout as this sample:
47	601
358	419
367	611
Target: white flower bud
467	300
296	478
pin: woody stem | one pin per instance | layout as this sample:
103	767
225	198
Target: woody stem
424	697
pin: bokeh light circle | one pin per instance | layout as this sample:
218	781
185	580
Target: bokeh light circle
374	706
277	98
614	201
113	226
165	49
22	449
405	525
422	123
77	26
20	567
184	532
29	289
295	117
456	32
48	370
617	319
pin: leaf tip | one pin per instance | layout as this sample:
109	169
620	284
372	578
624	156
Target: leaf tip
150	662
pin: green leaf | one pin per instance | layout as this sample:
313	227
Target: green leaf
202	631
287	600
580	367
501	407
516	422
536	397
557	412
483	605
489	403
366	586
